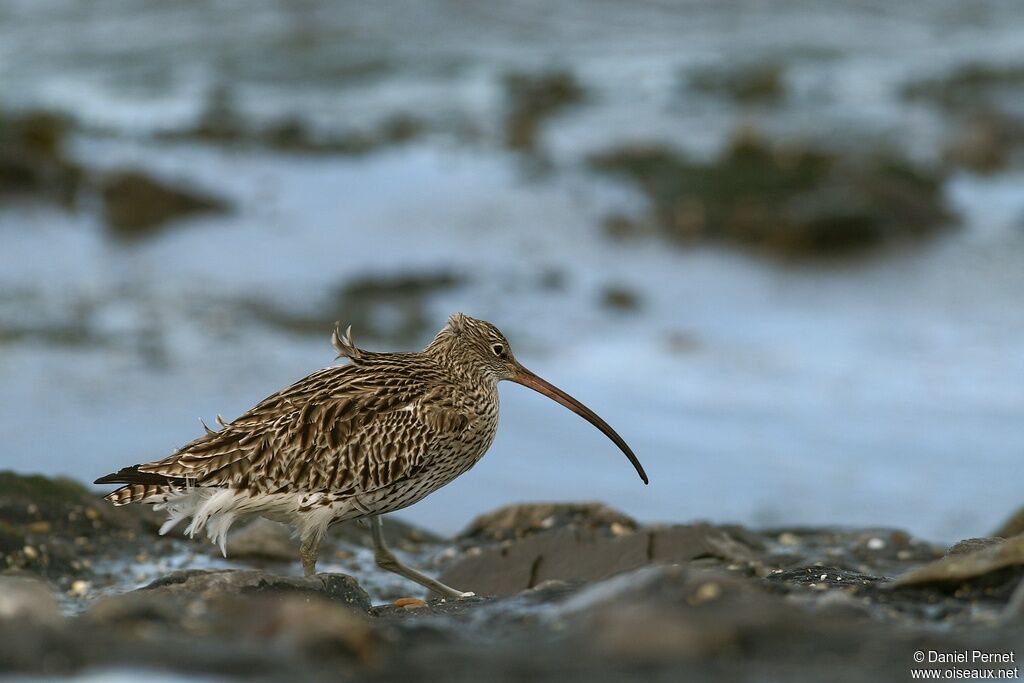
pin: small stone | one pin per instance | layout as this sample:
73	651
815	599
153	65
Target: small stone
789	538
79	588
92	514
29	552
707	592
410	603
41	527
620	529
875	543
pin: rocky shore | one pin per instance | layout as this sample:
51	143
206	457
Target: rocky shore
565	592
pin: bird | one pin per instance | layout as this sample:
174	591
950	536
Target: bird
352	441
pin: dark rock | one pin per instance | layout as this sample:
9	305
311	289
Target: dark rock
48	525
33	163
136	205
989	574
792	201
586	554
339	588
532	99
761	82
222	123
970	86
518	521
985	142
619	298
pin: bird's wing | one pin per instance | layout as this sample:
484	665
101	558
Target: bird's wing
340	430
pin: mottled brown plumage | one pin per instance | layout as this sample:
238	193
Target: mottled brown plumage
349	441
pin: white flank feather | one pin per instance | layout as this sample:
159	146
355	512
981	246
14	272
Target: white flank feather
215	510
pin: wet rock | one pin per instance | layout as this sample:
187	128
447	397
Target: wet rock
136	205
987	570
787	200
576	554
339	588
48	526
297	622
761	83
663	614
518	521
532	99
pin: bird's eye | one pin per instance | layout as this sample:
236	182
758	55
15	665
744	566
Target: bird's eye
499	350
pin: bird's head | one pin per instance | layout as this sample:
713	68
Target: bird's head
480	346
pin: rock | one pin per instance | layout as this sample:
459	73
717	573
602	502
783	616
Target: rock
1013	526
518	521
620	298
760	82
41	518
661	614
136	205
580	554
24	598
532	99
971	545
985	143
263	539
996	567
33	162
336	587
794	201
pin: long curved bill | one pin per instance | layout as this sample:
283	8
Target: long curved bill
528	379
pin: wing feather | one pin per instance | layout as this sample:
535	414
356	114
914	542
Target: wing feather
344	429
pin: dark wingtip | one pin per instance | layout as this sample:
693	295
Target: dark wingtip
132	475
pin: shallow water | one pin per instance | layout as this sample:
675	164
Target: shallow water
878	392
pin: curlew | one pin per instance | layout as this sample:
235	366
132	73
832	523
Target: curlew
351	441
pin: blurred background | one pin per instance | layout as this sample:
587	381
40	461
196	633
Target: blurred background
779	245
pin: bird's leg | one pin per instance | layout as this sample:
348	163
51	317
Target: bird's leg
309	551
387	561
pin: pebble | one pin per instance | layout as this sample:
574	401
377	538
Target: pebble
707	592
79	588
29	552
410	603
875	544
